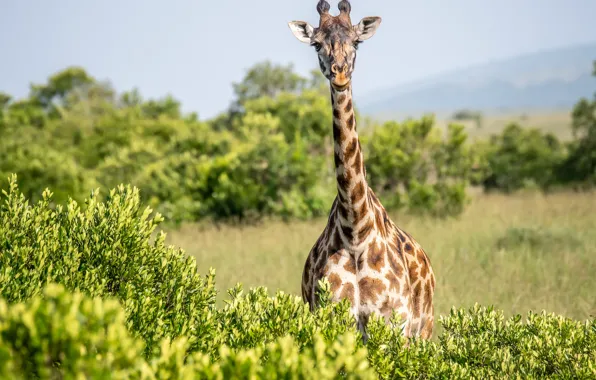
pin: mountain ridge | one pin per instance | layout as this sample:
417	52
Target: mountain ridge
547	79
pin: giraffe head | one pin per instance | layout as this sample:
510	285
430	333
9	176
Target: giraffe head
336	40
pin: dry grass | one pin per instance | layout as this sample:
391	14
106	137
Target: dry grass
556	122
519	253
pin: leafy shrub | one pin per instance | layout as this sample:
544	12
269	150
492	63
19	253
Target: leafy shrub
163	323
105	250
580	166
62	335
520	157
412	167
66	334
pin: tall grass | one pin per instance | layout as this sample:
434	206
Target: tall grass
518	253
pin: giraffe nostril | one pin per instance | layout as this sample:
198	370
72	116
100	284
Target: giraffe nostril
338	69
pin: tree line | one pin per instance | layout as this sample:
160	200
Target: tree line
268	154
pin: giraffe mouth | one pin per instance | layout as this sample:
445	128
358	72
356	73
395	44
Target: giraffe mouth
338	87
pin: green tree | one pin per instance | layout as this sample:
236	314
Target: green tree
521	157
580	167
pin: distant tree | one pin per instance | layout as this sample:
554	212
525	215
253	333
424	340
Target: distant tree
464	114
580	167
267	79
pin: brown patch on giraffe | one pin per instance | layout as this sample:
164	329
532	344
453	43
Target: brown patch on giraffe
343	210
376	256
359	262
334	281
306	272
337	243
427	298
427	330
408	247
365	230
416	300
396	266
393	247
350	265
334	258
351	122
348	292
388	306
357	192
380	224
348	231
423	266
341	98
432	280
348	106
374	198
405	292
336	159
336	113
337	135
400	235
340	196
412	271
357	165
315	252
393	282
351	149
370	288
343	181
360	213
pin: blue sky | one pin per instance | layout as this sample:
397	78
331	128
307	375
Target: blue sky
195	49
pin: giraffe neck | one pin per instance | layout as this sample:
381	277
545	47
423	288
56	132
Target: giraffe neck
352	188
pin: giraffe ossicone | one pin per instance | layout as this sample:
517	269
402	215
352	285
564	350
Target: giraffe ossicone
365	257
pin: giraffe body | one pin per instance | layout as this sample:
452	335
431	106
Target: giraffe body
366	258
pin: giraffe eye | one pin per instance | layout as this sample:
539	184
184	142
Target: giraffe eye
316	45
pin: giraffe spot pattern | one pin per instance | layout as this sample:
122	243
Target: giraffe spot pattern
350	266
357	193
334	281
357	166
405	277
348	292
393	282
416	300
376	256
365	231
351	149
370	288
348	107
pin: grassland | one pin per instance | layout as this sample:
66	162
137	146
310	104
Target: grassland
557	122
522	252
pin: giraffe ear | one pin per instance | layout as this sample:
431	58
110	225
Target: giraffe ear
367	27
302	30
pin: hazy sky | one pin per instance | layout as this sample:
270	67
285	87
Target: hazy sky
195	49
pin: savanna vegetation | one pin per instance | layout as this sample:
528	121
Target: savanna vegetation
90	287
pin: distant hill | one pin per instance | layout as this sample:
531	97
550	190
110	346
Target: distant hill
545	80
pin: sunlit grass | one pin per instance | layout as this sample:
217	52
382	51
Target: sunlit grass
518	253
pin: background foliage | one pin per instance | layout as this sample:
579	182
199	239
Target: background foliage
269	154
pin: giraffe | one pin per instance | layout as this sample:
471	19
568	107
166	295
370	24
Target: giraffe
366	258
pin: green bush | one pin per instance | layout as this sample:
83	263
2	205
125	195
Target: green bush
410	165
62	335
519	158
580	167
127	306
105	249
